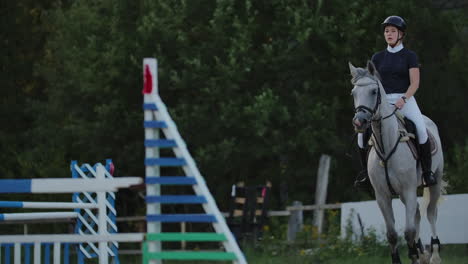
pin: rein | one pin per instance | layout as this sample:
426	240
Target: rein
383	118
380	151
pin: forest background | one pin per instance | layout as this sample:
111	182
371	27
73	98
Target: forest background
259	89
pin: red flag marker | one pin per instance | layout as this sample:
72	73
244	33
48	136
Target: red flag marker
148	81
111	169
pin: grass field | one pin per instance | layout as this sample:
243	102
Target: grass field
451	254
349	260
331	248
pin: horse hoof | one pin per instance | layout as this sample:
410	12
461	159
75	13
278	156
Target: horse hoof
425	257
435	258
396	261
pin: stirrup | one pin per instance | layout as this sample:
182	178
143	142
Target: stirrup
361	178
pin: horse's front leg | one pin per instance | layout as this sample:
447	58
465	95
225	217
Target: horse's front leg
385	204
432	217
409	198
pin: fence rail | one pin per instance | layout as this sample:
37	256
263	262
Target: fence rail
72	238
121	219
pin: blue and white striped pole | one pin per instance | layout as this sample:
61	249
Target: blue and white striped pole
150	77
66	185
46	205
37	216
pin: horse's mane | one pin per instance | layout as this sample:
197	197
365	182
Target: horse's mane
361	73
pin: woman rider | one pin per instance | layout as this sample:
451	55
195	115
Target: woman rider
399	71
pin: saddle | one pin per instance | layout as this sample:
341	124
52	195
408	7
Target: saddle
408	131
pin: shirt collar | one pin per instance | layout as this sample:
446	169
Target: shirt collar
395	49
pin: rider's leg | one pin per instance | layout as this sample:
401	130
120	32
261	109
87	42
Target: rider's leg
363	149
411	111
362	176
426	163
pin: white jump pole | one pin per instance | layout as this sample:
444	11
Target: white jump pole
102	218
37	216
46	205
17	253
150	77
57	253
66	185
37	252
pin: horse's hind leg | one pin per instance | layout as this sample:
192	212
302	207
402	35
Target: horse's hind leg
385	205
434	192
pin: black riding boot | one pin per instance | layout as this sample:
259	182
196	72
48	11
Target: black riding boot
426	163
362	176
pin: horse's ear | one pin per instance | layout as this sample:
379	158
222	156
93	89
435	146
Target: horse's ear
371	67
352	69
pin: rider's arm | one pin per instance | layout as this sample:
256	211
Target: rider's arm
414	82
413	87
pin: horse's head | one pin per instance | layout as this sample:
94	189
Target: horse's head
366	95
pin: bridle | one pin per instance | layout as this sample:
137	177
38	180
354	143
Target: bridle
363	108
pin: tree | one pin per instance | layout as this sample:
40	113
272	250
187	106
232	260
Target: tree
259	89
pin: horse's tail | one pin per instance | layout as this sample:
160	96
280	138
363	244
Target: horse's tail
427	196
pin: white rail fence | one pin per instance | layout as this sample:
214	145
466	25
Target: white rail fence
451	221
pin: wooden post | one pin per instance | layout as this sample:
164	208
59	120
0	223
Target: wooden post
321	191
295	222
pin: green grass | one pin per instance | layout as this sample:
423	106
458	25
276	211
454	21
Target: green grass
265	259
347	260
356	260
451	254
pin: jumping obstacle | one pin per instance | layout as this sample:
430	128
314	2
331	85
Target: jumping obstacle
97	189
157	119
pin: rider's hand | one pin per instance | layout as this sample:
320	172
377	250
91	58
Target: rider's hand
400	103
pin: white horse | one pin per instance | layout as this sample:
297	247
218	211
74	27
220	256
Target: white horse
392	167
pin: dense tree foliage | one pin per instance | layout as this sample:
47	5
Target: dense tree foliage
259	89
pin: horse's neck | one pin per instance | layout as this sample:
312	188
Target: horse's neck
386	130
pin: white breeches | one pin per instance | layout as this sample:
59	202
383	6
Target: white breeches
360	140
412	112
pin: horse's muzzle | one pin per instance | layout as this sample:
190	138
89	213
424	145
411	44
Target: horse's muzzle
360	124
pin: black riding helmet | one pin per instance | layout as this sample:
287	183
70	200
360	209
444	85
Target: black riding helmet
395	21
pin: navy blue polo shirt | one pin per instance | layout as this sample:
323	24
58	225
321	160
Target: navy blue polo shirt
394	69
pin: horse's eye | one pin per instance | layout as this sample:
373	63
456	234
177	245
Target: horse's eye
374	92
